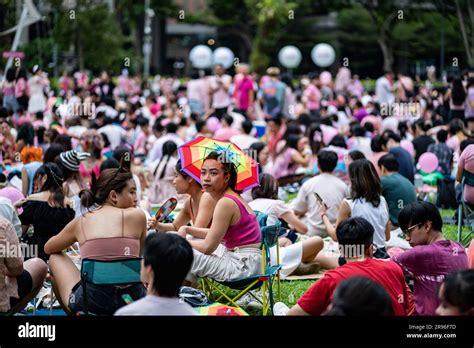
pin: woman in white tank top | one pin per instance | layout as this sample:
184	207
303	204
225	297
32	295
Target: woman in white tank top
366	201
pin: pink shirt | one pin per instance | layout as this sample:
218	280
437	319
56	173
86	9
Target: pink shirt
243	89
375	159
8	285
224	134
244	232
466	162
312	92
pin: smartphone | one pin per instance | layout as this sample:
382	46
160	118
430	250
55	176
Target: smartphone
320	200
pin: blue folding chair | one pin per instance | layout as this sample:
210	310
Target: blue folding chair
263	281
464	210
113	272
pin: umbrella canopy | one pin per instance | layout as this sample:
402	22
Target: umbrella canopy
194	152
220	310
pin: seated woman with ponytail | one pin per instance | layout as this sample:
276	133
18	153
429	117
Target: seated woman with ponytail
48	210
114	230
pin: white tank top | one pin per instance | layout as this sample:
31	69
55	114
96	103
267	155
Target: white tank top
377	217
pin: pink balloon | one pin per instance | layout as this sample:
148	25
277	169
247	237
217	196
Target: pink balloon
428	162
213	124
408	146
325	78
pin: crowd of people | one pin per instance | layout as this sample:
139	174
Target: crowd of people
83	165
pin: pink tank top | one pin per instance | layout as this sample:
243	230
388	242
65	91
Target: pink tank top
114	248
246	231
85	173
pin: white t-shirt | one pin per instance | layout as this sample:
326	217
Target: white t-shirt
114	133
155	305
274	208
243	141
220	98
331	189
383	91
377	216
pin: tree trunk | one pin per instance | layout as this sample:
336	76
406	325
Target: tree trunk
386	52
468	49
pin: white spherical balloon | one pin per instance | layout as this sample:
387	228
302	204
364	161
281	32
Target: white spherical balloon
223	56
201	56
289	57
323	55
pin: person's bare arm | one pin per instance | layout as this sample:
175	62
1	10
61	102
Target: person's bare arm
459	174
181	220
299	158
25	181
204	216
220	224
293	220
296	310
344	213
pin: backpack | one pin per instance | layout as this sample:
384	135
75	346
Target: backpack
194	297
446	194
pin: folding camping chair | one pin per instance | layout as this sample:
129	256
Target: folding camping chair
114	272
263	281
464	209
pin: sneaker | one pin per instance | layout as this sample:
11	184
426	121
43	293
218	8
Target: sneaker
280	309
307	268
248	301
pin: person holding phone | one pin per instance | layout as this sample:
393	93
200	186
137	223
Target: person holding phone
365	201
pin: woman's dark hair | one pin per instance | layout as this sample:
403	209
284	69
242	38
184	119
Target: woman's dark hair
424	126
180	170
465	143
254	151
291	142
402	129
52	152
357	131
228	166
455	126
338	141
377	142
169	148
315	136
52	134
10	75
360	296
64	140
356	155
26	133
459	289
53	184
458	93
365	182
108	180
419	213
268	187
109	163
228	119
170	258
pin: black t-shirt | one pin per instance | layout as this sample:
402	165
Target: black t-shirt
47	222
421	144
405	161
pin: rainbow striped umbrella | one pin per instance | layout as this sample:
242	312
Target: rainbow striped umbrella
220	310
193	153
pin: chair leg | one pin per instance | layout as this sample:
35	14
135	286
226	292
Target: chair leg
460	210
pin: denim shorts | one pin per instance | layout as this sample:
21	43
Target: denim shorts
104	299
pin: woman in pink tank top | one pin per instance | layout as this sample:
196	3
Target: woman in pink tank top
233	224
114	230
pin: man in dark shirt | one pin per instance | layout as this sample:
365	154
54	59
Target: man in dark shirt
443	152
405	161
421	141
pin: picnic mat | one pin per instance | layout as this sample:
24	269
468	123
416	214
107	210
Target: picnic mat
305	277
